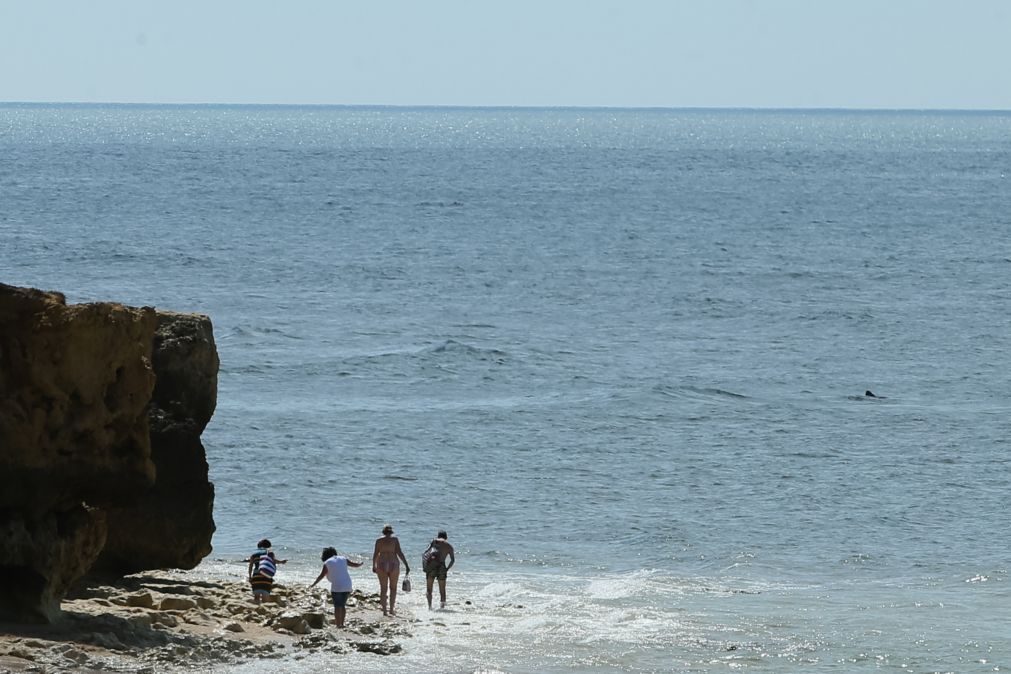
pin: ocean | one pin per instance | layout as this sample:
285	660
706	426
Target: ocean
619	355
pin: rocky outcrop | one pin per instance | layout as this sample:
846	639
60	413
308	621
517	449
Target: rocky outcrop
75	382
85	430
47	553
172	524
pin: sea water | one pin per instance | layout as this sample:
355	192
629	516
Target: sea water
619	355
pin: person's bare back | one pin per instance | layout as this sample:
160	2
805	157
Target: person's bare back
444	551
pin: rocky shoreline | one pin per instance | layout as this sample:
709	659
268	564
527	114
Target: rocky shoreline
176	621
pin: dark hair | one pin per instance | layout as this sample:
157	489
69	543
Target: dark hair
265	543
328	553
443	535
388	529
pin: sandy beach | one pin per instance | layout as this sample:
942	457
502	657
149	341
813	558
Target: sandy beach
173	620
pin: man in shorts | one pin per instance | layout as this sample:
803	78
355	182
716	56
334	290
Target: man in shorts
437	568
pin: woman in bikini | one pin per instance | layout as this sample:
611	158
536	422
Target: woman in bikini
386	558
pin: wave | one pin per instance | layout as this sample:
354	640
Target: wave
696	392
835	313
526	558
443	357
453	347
867	398
253	354
252	331
831	454
439	204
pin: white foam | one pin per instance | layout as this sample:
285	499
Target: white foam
539	622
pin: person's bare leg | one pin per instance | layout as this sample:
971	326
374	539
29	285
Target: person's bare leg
394	578
428	591
442	591
384	586
336	616
341	614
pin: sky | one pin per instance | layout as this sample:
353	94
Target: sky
919	54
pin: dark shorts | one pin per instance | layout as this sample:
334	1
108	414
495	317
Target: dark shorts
438	572
340	599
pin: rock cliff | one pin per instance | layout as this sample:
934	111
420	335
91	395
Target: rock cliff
80	411
172	524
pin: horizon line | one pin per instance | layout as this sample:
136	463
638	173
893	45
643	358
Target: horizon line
433	106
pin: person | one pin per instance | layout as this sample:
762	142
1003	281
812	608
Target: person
262	567
437	568
335	568
386	557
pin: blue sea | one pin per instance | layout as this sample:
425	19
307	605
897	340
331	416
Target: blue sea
619	355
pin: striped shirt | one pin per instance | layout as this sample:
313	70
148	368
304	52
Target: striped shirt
267	567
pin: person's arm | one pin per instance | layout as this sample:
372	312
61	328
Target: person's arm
355	564
400	553
452	559
322	574
249	571
375	557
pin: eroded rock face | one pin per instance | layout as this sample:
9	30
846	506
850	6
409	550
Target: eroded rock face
172	524
46	553
75	383
101	411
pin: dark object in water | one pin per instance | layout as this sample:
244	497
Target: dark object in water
869	394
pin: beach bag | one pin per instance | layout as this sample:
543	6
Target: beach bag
430	558
406	585
266	567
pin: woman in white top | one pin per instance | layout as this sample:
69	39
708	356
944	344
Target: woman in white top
335	568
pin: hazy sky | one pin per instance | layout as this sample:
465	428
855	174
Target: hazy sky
670	53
